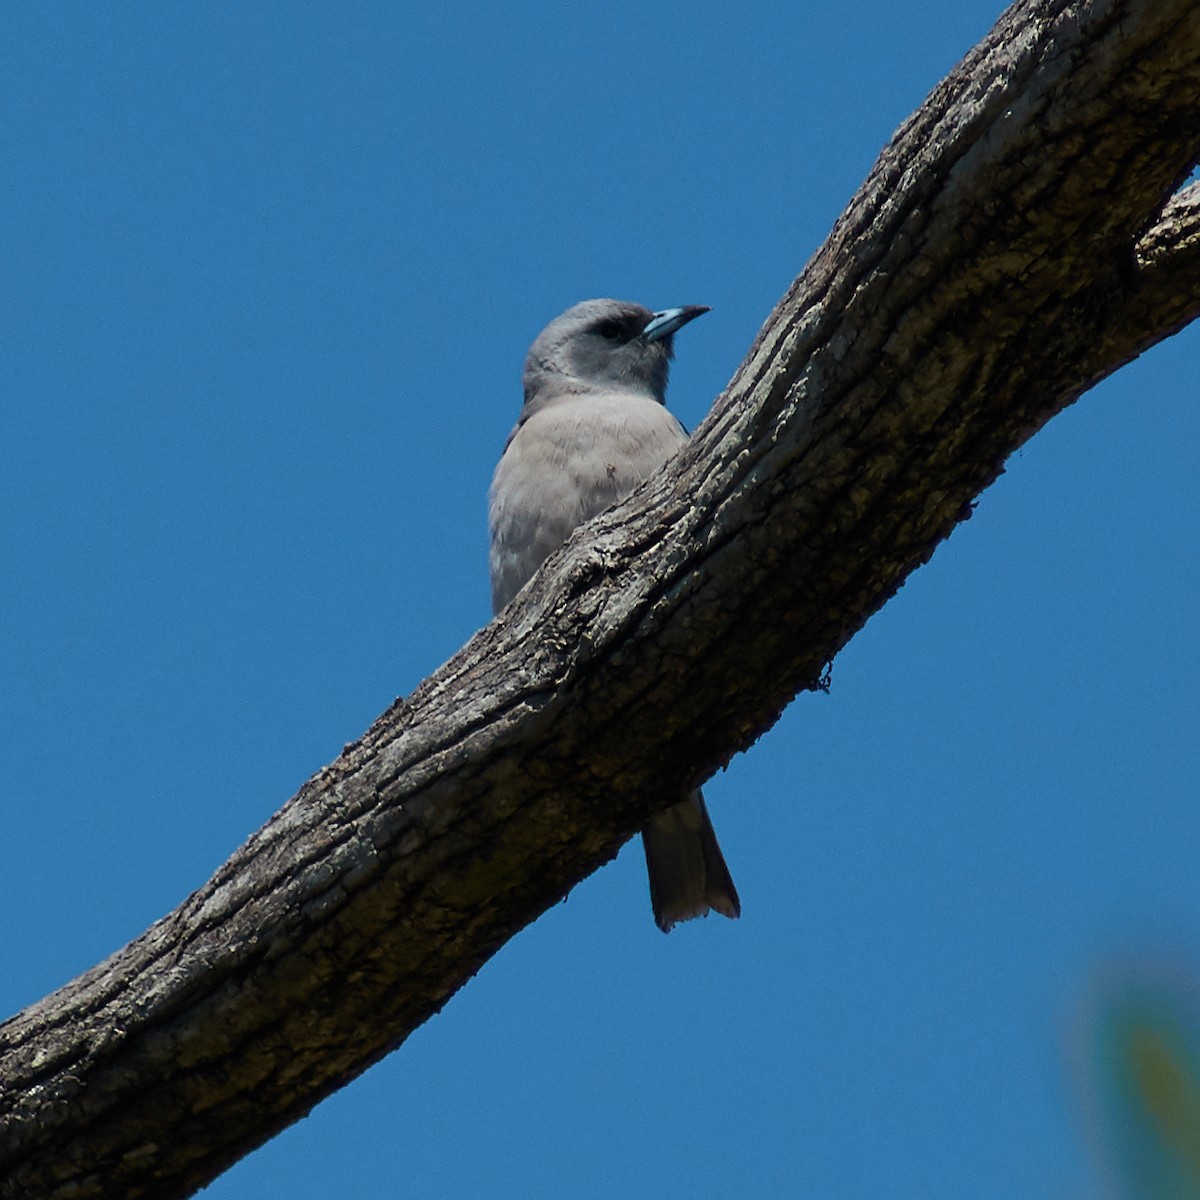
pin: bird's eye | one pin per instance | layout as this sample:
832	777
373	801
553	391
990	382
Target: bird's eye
611	330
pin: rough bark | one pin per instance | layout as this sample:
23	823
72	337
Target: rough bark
1014	244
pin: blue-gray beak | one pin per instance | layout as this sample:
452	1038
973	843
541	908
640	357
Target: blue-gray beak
665	323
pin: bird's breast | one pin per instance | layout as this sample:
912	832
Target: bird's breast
566	464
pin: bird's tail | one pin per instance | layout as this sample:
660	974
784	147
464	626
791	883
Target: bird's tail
688	875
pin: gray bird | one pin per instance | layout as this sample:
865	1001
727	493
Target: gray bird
594	425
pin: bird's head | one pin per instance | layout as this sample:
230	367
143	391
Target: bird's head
605	345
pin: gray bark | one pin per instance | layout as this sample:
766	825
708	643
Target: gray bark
1017	242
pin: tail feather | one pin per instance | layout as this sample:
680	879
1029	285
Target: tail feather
687	870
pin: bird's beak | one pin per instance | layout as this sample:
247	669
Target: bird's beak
665	323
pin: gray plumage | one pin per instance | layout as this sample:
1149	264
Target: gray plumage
594	425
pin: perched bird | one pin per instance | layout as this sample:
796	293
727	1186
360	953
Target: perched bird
594	425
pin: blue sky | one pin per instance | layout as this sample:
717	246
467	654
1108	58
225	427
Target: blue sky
270	276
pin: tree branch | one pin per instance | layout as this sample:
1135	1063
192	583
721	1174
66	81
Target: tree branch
1167	259
1014	244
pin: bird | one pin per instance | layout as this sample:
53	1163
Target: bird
594	424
